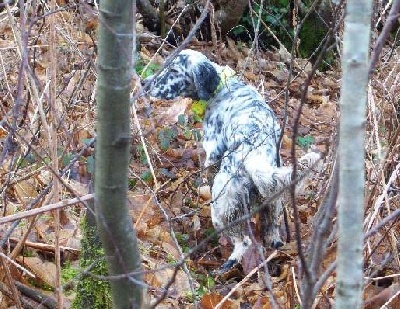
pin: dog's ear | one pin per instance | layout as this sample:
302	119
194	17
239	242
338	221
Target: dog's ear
206	80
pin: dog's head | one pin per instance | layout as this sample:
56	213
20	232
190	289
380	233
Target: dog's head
190	74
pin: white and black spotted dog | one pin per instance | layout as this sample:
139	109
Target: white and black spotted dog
241	134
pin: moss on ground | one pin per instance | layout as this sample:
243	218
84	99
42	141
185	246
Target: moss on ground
92	292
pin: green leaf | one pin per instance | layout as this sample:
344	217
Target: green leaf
86	141
305	141
146	176
90	164
144	71
166	136
210	282
197	118
182	120
187	134
142	154
196	135
132	183
66	158
199	108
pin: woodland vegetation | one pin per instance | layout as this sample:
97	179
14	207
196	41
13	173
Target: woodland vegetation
291	51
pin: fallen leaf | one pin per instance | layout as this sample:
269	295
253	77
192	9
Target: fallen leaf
171	249
209	301
205	192
262	303
26	189
172	112
46	271
251	258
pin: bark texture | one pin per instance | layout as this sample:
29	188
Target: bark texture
115	68
351	153
228	13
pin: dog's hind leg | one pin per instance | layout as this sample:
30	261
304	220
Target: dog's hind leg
270	224
270	180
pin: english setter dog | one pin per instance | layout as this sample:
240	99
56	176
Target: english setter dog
241	134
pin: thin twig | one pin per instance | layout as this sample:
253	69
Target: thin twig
11	284
390	22
245	279
43	209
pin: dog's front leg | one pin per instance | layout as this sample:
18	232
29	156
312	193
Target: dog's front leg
241	244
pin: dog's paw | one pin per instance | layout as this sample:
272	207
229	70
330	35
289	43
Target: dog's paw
272	238
227	266
229	270
311	162
310	158
276	244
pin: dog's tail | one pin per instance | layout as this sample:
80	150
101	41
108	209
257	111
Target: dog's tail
271	180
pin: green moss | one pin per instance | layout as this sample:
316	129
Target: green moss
68	273
277	16
28	253
92	292
311	35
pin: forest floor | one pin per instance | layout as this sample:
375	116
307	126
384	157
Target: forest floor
171	212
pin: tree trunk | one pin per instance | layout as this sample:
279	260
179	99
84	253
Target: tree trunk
150	16
228	13
115	67
351	153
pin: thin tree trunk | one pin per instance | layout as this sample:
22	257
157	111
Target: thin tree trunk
151	19
229	14
351	153
115	65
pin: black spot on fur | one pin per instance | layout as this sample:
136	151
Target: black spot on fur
206	80
218	125
227	266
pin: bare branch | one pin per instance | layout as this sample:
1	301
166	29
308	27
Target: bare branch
390	22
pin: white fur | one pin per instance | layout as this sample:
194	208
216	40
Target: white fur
241	134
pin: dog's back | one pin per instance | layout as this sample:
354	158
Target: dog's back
241	133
